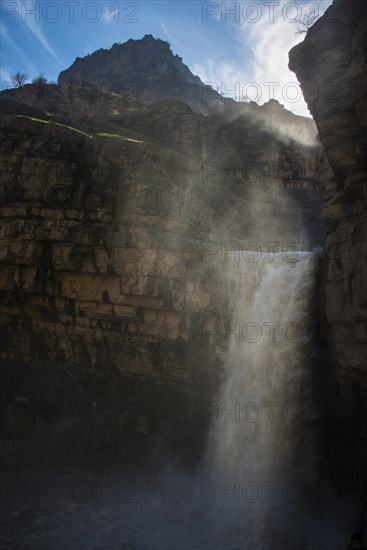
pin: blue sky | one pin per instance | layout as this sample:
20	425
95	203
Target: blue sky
239	46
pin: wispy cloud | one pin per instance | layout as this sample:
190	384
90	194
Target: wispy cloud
110	15
222	75
6	35
167	33
263	46
270	42
29	19
31	69
5	76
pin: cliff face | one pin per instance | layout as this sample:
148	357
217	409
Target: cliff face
116	223
135	60
331	65
143	69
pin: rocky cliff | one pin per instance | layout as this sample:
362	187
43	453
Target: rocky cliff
331	65
117	225
143	69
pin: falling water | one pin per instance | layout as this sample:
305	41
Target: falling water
262	442
268	443
262	445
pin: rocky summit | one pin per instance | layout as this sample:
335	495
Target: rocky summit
126	189
143	69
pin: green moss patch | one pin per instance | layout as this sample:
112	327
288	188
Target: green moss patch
117	136
74	129
56	124
35	119
91	136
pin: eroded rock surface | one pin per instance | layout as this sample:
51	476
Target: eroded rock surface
118	223
331	65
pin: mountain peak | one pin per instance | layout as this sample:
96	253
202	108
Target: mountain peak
133	61
145	69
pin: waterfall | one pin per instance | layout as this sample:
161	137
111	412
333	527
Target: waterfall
262	445
262	441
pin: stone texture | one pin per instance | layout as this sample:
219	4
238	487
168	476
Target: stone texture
331	67
105	246
141	70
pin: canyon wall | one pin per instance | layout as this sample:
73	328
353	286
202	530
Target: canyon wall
331	65
118	222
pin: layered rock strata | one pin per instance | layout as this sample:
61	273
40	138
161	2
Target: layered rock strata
118	225
331	65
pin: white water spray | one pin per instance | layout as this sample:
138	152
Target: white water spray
262	438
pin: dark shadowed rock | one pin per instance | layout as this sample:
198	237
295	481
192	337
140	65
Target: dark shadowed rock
143	69
111	211
331	65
